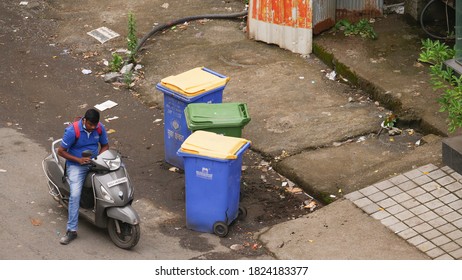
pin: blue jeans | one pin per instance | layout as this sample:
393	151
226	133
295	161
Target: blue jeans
76	177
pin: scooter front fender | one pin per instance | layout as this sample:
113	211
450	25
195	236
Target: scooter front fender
125	214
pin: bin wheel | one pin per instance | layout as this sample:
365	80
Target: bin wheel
242	214
220	229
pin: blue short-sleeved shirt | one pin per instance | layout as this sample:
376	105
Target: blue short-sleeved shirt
86	141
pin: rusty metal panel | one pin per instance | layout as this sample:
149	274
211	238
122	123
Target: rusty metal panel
287	23
354	10
323	15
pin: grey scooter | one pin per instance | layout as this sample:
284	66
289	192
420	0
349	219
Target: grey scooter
106	198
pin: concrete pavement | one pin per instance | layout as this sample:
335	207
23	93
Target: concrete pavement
413	213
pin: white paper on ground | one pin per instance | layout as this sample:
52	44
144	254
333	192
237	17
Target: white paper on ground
105	105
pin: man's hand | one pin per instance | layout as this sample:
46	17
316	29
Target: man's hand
84	160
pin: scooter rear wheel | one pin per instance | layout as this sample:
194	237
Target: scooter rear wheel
124	235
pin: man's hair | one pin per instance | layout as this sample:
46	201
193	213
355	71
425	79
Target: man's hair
92	116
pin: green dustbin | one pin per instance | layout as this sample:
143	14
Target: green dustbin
227	119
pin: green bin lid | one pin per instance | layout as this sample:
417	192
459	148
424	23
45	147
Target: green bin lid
216	115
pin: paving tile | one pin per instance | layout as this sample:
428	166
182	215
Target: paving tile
443	210
428	216
414	221
388	202
439	192
362	202
393	191
454	235
435	252
415	191
428	168
446	228
440	240
453	216
411	203
436	174
389	221
395	209
384	185
429	187
401	197
398	227
448	198
438	222
424	197
419	209
427	245
369	190
354	196
459	241
456	176
446	180
378	196
458	193
404	215
456	205
422	180
457	223
433	204
454	187
449	247
413	174
423	227
416	240
457	254
408	185
398	179
447	169
431	234
380	215
445	257
371	208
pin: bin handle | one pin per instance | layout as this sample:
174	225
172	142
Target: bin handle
243	108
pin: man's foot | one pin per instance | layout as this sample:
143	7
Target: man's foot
66	239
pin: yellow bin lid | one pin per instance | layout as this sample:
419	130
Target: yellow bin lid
194	82
212	145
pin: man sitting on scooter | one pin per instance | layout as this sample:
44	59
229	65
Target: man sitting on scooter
87	134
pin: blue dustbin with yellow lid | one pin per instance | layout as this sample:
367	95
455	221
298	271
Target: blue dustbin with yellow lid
198	85
212	166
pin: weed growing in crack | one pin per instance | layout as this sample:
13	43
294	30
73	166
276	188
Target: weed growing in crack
362	28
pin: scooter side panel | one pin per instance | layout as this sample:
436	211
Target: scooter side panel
55	173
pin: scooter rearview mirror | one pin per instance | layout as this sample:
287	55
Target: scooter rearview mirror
87	153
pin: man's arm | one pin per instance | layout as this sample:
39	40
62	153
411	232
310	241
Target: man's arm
104	148
63	152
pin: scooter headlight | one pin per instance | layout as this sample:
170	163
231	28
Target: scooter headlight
113	164
106	194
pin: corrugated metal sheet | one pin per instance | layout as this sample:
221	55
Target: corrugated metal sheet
287	23
323	15
354	10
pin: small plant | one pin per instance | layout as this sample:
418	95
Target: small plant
443	78
435	52
132	40
116	63
128	78
390	121
362	28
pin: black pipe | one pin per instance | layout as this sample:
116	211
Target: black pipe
183	20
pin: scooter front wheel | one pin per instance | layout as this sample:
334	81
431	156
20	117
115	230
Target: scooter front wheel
124	235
